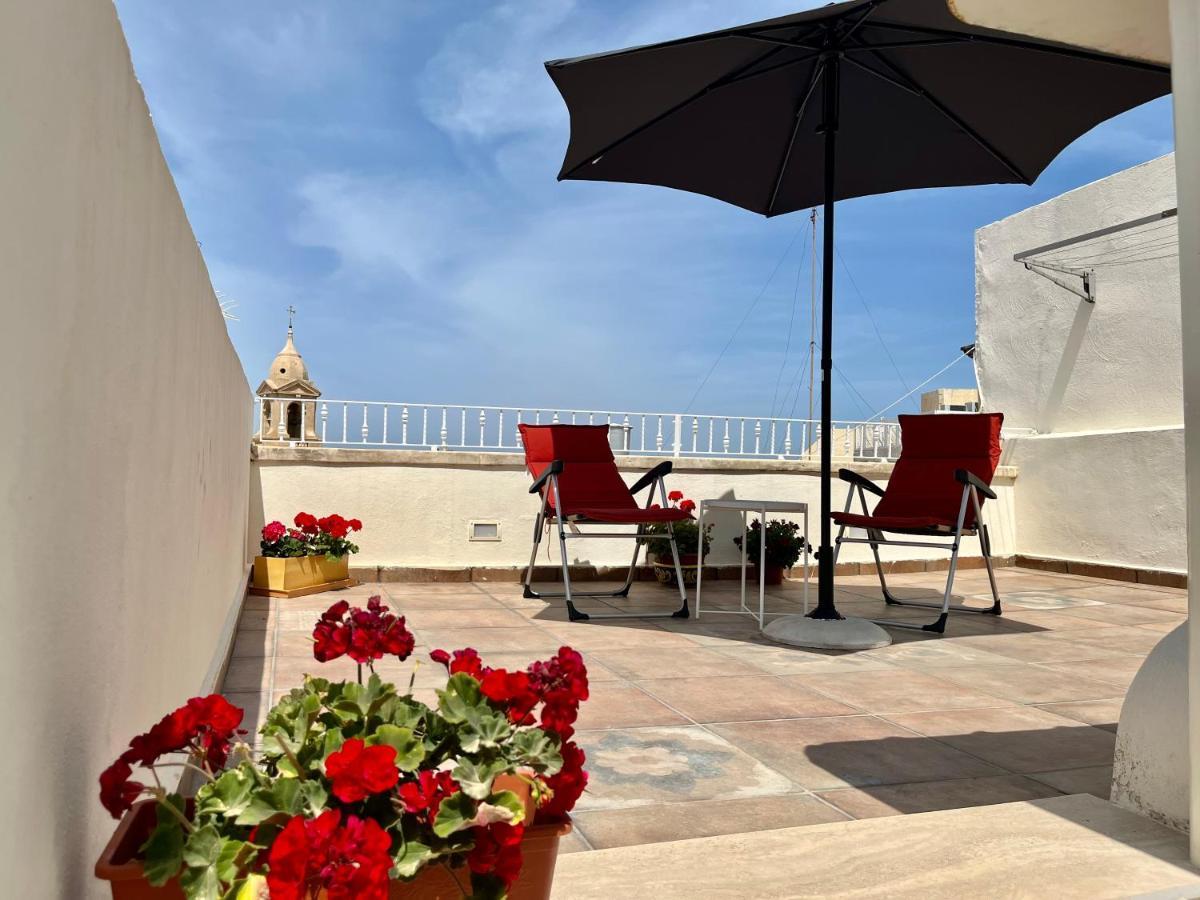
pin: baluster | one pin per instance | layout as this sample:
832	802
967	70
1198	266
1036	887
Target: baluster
725	444
443	433
773	423
677	442
364	424
757	435
537	417
324	420
787	440
462	429
658	440
741	437
404	425
383	438
624	433
643	435
482	422
303	423
711	423
591	418
345	422
424	426
517	428
572	418
554	418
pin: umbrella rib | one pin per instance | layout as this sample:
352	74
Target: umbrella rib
817	73
904	81
1058	49
733	77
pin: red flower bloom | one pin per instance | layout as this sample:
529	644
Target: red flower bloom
357	771
423	797
350	862
355	525
306	523
687	505
568	784
513	691
334	525
273	532
675	495
366	634
497	851
465	660
117	791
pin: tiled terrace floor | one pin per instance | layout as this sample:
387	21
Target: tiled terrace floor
697	728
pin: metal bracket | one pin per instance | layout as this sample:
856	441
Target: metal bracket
1087	277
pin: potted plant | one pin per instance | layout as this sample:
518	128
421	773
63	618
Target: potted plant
784	546
307	559
360	791
687	539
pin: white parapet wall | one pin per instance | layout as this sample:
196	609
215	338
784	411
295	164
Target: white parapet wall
417	506
1091	392
124	507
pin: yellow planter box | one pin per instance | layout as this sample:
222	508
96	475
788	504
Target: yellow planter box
285	576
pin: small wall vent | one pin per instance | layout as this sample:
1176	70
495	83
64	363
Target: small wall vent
485	531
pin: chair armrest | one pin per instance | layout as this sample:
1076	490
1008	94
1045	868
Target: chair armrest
972	480
663	468
554	468
860	481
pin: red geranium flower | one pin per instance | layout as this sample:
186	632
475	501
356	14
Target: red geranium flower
512	690
350	862
497	851
568	784
334	525
273	532
117	791
365	634
357	771
465	660
355	525
423	797
675	495
687	505
306	523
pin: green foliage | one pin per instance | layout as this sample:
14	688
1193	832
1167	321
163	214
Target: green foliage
784	543
687	537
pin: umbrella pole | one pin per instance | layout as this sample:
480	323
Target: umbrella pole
825	605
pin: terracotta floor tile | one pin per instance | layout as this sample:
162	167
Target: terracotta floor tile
1032	683
533	640
619	705
1160	627
900	799
1096	780
405	604
850	751
1125	640
441	619
251	642
701	818
936	653
247	674
257	620
1127	614
1031	621
620	634
1043	600
1101	713
641	766
745	698
902	691
1047	647
776	659
1020	739
255	705
1116	670
682	662
573	842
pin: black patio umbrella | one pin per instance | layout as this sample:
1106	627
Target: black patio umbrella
848	100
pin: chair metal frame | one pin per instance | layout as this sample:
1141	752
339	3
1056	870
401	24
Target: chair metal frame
973	486
548	516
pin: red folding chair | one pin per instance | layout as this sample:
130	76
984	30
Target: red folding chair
574	471
936	488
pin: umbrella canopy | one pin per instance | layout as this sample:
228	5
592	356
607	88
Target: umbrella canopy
852	99
925	101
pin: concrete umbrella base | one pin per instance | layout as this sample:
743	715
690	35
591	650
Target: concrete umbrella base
827	634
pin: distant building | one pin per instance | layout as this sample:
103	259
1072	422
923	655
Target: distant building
289	408
947	400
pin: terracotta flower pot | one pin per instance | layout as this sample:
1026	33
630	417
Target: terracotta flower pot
664	569
286	575
120	867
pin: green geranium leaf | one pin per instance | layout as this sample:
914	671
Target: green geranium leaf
483	730
510	801
475	779
461	700
163	850
314	797
333	742
281	797
456	813
410	750
535	748
412	856
203	856
252	888
229	795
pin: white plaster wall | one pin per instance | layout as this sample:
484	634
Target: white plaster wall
123	509
1112	497
417	506
1091	393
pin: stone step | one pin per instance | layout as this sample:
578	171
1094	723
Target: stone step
1064	847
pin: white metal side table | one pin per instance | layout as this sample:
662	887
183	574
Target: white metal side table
745	507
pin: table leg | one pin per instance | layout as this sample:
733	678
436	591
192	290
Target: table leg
806	550
743	601
762	563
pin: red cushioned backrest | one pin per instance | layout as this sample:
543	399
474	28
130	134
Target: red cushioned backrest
589	477
933	446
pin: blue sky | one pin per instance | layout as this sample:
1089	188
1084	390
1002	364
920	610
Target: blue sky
388	167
